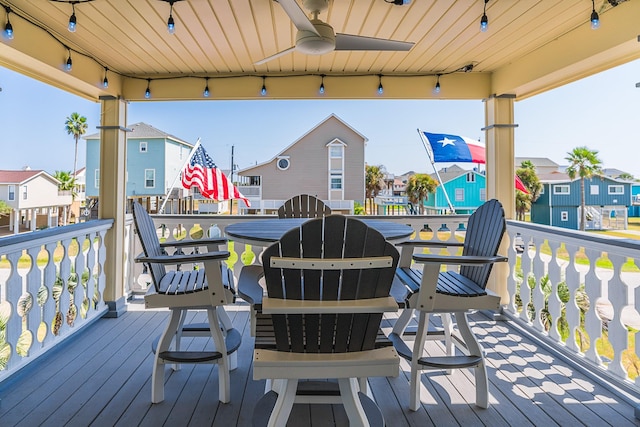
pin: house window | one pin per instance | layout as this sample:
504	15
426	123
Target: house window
143	146
336	181
12	192
149	178
471	177
335	151
616	189
564	216
483	194
96	178
561	189
24	192
283	163
459	197
594	190
542	189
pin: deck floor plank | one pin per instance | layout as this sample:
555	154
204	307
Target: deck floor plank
102	377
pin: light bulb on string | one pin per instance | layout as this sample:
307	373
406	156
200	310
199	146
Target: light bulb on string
72	19
436	88
147	93
8	28
380	88
69	65
484	21
206	92
595	19
263	91
105	81
321	89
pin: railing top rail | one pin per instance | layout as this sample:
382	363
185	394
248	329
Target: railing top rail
26	240
584	237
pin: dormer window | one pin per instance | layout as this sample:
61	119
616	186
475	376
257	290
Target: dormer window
283	163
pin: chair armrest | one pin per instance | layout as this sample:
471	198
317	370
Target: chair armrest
248	287
291	306
429	243
458	259
180	259
200	242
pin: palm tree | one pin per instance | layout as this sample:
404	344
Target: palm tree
76	125
418	188
67	183
374	182
626	176
528	176
585	164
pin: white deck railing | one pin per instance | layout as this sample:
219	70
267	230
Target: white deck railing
51	285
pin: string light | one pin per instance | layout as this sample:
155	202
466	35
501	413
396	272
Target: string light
69	65
484	21
263	91
206	92
595	19
380	88
147	93
436	88
8	28
73	21
171	23
321	90
105	82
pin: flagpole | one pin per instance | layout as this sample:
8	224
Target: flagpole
166	197
446	196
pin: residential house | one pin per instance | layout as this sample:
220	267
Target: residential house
34	199
543	165
607	202
154	161
464	189
327	162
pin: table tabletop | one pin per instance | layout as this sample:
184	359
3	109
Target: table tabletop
265	231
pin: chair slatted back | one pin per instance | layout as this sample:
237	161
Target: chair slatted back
303	206
149	239
485	230
334	236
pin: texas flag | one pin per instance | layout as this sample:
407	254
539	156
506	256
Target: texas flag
454	148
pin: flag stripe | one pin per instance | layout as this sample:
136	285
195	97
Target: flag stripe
201	172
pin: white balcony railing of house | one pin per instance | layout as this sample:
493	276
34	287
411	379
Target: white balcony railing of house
51	286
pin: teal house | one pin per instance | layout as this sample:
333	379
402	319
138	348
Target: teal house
607	201
466	190
154	160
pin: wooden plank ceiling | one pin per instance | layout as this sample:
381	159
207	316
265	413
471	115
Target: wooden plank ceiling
225	38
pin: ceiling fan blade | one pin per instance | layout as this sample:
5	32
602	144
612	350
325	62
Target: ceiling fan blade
277	55
297	16
351	42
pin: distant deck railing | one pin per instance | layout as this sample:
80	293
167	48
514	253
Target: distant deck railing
51	286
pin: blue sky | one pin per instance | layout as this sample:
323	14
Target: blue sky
600	112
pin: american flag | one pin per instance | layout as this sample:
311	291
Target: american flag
202	172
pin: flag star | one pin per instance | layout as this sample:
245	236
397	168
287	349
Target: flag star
446	141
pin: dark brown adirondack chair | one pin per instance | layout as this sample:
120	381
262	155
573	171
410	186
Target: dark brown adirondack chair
430	290
179	291
303	206
328	285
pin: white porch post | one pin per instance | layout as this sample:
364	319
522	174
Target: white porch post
499	137
112	200
33	222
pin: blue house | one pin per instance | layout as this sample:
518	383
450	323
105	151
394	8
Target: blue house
606	199
466	190
634	209
154	160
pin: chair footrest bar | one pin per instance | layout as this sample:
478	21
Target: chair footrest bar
450	362
232	342
190	356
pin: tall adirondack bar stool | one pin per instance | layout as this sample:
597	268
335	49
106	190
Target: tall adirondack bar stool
430	290
183	290
328	285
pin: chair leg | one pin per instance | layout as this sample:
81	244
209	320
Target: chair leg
223	363
402	321
227	325
178	341
363	384
284	403
447	326
475	349
418	346
353	407
157	376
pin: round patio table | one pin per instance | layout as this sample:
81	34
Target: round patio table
266	231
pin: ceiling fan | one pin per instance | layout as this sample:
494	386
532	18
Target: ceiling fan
316	37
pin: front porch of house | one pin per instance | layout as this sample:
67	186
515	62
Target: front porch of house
562	360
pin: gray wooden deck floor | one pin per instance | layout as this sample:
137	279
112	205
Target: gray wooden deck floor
102	378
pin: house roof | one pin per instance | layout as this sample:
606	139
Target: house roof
18	177
452	172
537	161
331	116
143	130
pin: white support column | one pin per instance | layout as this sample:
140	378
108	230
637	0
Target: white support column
33	221
500	167
112	202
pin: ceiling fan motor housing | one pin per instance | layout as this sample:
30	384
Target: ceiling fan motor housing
310	44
